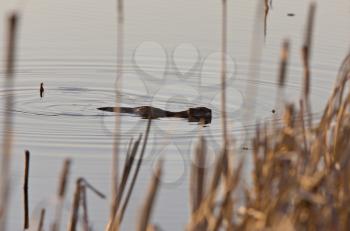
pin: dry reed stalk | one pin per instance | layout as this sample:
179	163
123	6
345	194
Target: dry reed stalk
118	95
41	220
302	124
204	212
225	135
280	98
205	218
117	220
62	188
75	206
85	209
198	180
226	206
84	184
306	51
339	129
257	44
93	189
197	185
283	63
127	168
223	73
146	210
10	46
130	145
25	190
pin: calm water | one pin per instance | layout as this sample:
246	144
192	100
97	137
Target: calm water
171	61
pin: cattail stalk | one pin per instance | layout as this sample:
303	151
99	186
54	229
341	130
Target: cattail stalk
25	190
85	210
61	194
75	206
198	180
306	51
284	56
12	22
283	64
146	210
127	168
198	175
119	216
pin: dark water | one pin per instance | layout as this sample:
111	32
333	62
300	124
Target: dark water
172	60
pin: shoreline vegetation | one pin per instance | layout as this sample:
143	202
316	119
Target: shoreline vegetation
300	172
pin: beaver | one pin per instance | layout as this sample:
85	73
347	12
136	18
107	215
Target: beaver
195	114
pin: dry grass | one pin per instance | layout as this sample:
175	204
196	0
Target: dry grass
300	175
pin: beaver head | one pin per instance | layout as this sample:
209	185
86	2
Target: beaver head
198	114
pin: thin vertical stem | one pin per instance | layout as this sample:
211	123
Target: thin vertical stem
75	206
41	220
84	185
197	184
284	56
25	190
198	181
7	124
85	210
306	51
283	63
223	72
266	13
119	216
146	210
61	194
302	123
257	44
128	165
116	138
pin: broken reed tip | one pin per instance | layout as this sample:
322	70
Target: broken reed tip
13	17
284	61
